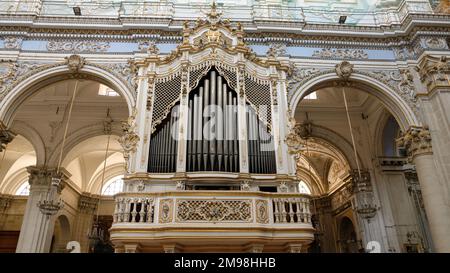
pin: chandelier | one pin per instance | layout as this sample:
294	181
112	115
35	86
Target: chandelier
49	206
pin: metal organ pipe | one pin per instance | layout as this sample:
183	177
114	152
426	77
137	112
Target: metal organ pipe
214	126
261	149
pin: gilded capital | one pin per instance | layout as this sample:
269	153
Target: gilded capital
416	141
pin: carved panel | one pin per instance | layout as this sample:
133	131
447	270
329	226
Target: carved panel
262	215
207	210
165	210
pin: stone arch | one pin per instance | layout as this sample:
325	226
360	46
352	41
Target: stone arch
338	142
29	133
111	171
398	107
79	136
34	82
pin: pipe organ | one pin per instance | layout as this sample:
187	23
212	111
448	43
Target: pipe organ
163	145
212	130
261	151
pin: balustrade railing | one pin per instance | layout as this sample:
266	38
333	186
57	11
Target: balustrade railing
212	207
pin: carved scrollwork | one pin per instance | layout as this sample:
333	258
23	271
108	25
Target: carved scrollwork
129	138
262	215
341	53
78	46
165	210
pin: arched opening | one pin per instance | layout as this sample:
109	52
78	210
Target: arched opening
348	130
347	237
61	235
113	186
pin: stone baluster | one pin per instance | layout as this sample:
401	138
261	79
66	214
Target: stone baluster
150	211
291	211
277	211
283	211
134	211
142	211
299	211
127	210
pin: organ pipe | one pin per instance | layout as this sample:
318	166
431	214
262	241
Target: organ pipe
163	145
214	124
260	145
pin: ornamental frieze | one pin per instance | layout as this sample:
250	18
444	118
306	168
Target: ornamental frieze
78	46
329	53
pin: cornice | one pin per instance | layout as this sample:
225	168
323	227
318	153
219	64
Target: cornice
123	29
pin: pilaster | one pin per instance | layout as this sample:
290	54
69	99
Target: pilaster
87	206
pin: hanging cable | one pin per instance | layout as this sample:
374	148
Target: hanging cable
351	132
67	126
97	232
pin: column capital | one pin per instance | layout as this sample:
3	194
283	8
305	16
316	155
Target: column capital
5	201
87	203
46	176
6	136
435	72
417	141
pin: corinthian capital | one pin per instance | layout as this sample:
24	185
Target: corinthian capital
6	136
45	176
435	72
416	141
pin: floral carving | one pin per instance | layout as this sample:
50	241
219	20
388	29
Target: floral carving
78	46
341	53
435	43
12	42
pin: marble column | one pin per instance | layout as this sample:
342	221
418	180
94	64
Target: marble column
39	220
87	207
417	142
6	136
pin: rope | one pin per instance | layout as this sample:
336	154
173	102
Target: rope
103	175
351	132
67	126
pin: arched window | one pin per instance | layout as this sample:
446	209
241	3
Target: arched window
303	188
390	133
24	189
113	186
